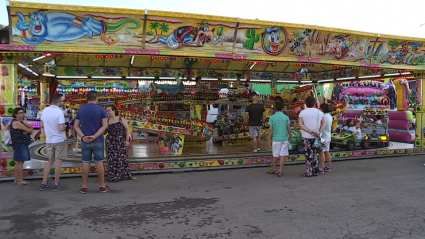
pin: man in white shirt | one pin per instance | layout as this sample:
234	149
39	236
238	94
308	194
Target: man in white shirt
53	126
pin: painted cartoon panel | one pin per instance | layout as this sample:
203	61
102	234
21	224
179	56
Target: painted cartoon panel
75	29
254	41
168	35
399	52
340	47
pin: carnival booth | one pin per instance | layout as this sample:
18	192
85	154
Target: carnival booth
184	81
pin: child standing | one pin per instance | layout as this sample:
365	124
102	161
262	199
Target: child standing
280	136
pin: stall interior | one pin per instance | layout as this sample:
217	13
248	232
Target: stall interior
196	106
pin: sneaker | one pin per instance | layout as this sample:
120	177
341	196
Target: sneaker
56	188
321	171
44	187
258	149
328	169
83	190
104	189
255	151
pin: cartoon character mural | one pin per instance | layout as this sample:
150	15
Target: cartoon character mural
402	53
189	36
274	40
341	46
67	27
298	44
177	146
164	144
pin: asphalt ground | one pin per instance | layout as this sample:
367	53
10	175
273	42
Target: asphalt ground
372	198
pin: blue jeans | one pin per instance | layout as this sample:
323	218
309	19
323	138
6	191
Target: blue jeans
95	149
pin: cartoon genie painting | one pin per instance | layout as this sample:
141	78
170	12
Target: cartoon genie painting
65	27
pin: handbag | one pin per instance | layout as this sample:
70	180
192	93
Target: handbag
319	142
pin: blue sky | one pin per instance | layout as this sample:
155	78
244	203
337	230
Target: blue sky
379	16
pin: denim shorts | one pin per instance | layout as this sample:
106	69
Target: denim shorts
22	153
95	149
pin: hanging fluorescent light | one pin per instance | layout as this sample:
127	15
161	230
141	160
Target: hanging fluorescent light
392	74
306	81
209	79
288	81
167	78
405	73
346	78
253	65
304	85
371	76
140	77
38	58
325	80
132	60
28	69
72	77
106	77
260	80
49	75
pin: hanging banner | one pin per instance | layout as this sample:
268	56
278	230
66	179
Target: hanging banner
92	71
7	84
223	74
155	72
120	84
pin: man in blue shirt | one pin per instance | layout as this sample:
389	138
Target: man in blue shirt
280	136
90	124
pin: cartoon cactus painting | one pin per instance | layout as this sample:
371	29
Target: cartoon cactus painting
252	38
220	31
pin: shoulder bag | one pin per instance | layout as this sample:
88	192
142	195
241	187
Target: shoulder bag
319	142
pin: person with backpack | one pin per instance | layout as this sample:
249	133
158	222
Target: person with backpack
117	142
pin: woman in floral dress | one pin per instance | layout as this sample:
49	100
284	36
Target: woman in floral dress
117	142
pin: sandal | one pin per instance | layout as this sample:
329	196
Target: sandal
271	172
131	177
279	173
23	183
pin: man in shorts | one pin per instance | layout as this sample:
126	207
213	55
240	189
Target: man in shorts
53	126
90	124
280	136
255	114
